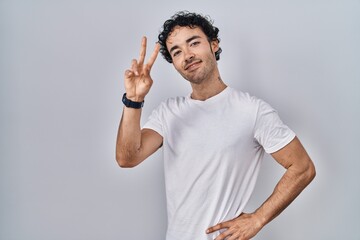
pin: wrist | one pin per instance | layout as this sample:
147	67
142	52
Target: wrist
261	220
137	103
135	98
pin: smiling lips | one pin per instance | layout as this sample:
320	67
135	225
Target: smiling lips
192	63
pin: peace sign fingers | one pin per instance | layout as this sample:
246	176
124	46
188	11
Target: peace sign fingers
152	58
142	52
137	79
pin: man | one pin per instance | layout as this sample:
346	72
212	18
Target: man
213	140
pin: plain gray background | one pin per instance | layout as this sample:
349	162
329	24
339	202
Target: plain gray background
61	72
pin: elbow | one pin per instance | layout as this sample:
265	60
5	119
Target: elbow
313	172
310	172
124	161
124	164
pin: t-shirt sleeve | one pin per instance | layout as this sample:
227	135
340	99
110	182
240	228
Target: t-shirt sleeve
154	121
270	132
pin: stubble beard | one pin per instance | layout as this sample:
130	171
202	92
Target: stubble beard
202	74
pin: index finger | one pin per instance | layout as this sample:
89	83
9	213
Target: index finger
153	56
217	227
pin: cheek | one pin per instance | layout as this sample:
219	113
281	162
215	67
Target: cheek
177	65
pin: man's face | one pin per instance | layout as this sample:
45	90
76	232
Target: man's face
192	54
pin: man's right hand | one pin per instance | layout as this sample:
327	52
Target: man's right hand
137	79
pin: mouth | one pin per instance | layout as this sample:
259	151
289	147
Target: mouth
192	65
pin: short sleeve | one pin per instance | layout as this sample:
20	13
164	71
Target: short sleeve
270	132
154	121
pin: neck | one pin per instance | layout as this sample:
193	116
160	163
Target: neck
208	90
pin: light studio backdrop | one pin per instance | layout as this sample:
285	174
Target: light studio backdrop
61	69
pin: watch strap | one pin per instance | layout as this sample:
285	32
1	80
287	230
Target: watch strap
131	104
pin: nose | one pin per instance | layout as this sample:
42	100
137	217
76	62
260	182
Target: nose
188	55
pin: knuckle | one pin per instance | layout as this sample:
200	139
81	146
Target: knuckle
221	236
128	73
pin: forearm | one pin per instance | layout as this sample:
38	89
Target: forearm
128	142
300	172
133	145
288	188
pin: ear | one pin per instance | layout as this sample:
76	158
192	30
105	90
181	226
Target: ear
214	45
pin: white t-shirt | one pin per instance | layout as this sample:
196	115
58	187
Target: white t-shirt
212	153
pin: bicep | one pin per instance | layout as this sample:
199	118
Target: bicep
293	154
150	142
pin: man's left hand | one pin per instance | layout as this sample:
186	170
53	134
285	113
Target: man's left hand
243	227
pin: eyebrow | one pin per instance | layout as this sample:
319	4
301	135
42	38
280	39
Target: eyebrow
187	41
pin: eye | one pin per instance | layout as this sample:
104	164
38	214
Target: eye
194	43
176	53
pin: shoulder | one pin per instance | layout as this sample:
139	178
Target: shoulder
173	102
245	98
170	104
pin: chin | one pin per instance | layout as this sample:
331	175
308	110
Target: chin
196	81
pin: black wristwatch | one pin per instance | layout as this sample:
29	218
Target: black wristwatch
130	104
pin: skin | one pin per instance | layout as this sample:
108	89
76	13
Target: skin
300	171
134	144
193	57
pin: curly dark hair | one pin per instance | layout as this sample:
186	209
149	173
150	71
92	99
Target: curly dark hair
187	19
